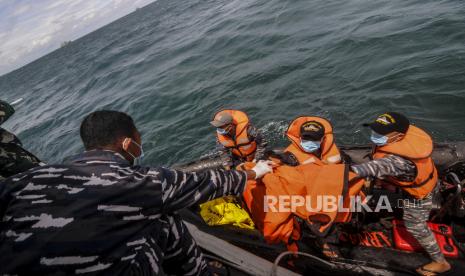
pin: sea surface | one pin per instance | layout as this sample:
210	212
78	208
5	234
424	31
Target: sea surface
172	64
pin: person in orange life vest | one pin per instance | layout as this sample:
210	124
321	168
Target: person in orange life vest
237	137
312	141
402	157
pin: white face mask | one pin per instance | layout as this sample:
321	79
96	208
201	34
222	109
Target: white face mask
137	160
378	139
221	131
310	146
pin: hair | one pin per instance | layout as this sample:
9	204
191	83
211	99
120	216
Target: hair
106	127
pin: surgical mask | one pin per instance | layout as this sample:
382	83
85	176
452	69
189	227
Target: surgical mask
310	146
378	139
222	131
137	160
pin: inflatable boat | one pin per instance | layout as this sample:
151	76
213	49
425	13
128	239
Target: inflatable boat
373	244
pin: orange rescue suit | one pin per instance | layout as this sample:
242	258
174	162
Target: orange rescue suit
329	152
416	146
309	181
240	145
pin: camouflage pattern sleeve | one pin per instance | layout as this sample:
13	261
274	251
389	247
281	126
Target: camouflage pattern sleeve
181	190
129	214
6	111
13	158
391	165
183	256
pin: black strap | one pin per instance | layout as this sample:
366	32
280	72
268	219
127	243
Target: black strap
315	229
413	185
244	144
424	182
371	155
345	185
328	148
287	157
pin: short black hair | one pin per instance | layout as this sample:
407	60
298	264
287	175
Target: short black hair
106	127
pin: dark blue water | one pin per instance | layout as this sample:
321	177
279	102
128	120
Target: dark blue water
172	64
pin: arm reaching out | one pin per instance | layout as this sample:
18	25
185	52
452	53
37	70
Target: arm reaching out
390	165
181	190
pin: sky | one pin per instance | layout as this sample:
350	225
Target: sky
30	29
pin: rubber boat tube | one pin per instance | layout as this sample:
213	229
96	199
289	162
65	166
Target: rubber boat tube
444	156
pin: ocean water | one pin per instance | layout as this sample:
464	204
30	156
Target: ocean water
172	64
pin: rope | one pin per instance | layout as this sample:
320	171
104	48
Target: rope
274	270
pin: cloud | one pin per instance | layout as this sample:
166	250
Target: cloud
30	29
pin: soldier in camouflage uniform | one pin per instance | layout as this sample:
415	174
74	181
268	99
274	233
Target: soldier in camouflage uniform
13	158
102	214
391	129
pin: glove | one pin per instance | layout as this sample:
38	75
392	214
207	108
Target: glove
263	167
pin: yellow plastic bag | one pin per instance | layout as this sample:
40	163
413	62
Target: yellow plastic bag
226	210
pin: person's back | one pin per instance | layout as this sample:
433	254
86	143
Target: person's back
109	216
100	213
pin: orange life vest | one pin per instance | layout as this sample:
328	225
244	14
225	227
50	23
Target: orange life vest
329	152
416	146
240	145
310	180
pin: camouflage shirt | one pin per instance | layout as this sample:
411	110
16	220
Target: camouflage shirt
100	214
390	165
13	158
6	111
